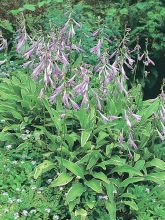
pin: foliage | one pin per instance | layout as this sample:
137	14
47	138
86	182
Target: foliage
79	156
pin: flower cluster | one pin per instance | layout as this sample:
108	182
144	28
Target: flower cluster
56	61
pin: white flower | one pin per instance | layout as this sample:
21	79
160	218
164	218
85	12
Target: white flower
33	162
47	210
33	187
39	192
33	211
3	120
41	188
56	217
15	162
5	194
78	177
27	131
19	200
23	156
61	188
10	200
16	215
9	147
147	190
49	181
18	189
25	212
6	210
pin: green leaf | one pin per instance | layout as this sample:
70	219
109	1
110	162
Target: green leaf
40	4
124	11
116	161
149	110
131	204
101	176
29	7
154	178
61	180
81	212
6	25
72	167
78	61
95	155
111	208
111	205
156	163
128	181
102	136
127	169
84	137
95	185
42	168
75	191
140	164
128	195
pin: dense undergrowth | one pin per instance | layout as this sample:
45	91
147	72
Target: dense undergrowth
78	141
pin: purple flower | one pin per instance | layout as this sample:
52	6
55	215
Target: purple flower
29	52
27	64
77	48
96	49
64	60
162	114
98	101
71	81
82	87
21	40
57	72
137	117
140	57
95	33
121	86
38	69
113	117
77	24
65	100
131	141
41	95
2	61
109	76
56	93
127	120
66	25
85	99
105	119
162	138
74	104
121	138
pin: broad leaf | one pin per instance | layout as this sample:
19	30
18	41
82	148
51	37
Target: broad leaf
75	191
95	185
61	180
84	137
156	163
42	168
128	181
73	167
101	176
131	204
